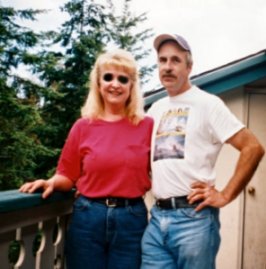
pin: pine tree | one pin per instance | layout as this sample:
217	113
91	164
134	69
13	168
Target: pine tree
126	32
19	115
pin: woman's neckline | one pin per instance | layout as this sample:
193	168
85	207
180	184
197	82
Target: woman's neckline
112	119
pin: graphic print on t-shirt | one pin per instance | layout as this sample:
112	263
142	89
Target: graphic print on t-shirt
171	134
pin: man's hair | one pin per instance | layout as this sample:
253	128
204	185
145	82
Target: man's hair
189	59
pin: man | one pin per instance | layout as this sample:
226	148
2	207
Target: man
189	130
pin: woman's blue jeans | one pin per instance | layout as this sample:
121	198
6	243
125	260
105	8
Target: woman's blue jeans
101	237
181	239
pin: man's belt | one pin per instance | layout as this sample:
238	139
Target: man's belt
175	203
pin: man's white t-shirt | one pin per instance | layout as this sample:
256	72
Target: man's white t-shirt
189	131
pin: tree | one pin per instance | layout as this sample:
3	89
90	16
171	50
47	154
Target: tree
124	30
19	116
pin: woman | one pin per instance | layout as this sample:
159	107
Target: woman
106	156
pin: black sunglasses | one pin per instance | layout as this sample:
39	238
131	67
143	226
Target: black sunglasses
109	77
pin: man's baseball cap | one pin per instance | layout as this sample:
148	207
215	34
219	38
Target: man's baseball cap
160	39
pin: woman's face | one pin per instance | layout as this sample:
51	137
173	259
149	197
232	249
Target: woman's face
115	86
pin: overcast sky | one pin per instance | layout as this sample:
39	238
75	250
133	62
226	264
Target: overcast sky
219	31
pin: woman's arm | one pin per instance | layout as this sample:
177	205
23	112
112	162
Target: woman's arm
55	183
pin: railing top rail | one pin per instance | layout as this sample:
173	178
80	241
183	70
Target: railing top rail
13	200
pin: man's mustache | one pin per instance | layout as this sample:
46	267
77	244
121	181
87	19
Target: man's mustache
168	76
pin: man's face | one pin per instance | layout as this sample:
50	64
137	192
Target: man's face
173	68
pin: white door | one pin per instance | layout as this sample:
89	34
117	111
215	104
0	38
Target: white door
254	247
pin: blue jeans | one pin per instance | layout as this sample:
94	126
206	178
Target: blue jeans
101	237
181	239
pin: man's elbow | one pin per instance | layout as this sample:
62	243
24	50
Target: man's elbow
262	151
259	151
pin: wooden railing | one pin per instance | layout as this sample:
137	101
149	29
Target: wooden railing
32	230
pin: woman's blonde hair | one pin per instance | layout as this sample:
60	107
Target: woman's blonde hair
122	60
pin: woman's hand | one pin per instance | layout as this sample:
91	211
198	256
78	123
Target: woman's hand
46	185
56	182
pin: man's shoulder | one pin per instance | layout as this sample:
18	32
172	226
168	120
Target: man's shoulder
205	96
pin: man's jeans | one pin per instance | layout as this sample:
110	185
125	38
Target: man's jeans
101	237
181	239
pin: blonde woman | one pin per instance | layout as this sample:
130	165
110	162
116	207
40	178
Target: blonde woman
106	157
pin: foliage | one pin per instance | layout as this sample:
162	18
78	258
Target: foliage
19	114
13	251
124	30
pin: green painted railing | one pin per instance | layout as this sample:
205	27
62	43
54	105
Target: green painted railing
32	229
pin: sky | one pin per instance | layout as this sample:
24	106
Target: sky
218	31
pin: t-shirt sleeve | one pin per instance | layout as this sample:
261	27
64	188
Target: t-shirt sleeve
69	163
224	124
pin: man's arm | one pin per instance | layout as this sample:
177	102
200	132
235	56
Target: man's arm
251	153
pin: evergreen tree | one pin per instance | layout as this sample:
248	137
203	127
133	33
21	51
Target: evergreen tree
126	32
19	115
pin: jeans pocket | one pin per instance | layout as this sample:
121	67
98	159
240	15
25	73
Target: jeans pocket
81	204
191	213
